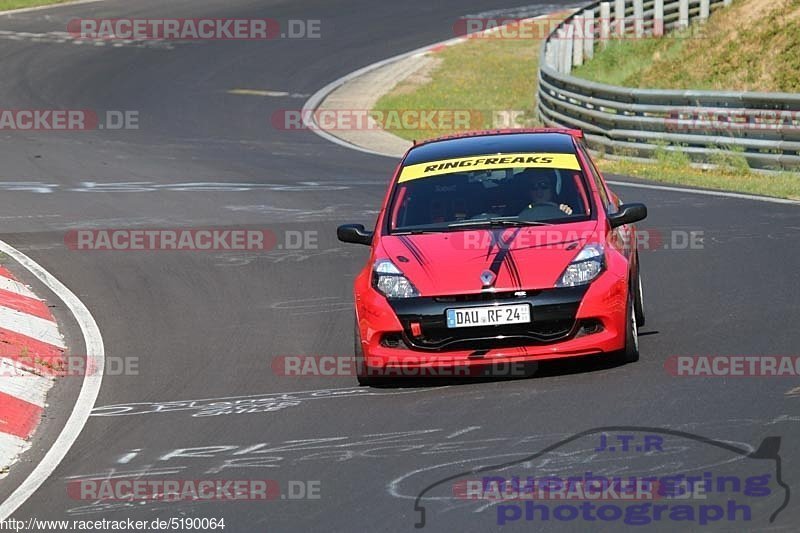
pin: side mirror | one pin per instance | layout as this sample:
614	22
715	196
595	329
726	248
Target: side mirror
354	233
628	214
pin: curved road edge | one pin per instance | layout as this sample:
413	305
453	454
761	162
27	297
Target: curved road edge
361	88
31	357
90	388
375	144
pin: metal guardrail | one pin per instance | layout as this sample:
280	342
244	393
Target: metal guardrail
762	127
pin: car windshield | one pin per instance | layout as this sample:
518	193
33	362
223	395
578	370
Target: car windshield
439	196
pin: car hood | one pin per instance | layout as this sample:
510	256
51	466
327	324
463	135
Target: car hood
519	258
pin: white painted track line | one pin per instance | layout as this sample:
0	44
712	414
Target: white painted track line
707	192
95	353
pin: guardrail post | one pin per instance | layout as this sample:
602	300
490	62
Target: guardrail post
569	35
638	18
619	17
683	14
561	62
556	41
705	9
548	54
554	50
578	30
605	23
588	34
658	18
555	54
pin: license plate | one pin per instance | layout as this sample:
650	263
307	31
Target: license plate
496	315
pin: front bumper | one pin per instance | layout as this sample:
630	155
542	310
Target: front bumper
566	322
554	318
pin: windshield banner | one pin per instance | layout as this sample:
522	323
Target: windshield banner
488	162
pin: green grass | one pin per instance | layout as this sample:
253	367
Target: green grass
15	4
674	168
480	75
623	62
754	45
498	74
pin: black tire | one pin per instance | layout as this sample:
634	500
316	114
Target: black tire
361	365
630	354
638	302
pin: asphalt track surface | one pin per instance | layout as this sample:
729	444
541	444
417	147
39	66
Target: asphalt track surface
206	325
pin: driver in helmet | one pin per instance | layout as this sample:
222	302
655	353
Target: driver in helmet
541	190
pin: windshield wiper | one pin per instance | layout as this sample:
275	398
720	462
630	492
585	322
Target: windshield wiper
495	222
416	231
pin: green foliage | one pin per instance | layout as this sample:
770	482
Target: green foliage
754	45
15	4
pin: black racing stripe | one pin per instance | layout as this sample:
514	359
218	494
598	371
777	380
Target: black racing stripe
511	264
419	253
503	253
497	261
416	252
412	249
493	241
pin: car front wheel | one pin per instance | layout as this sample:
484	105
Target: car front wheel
361	363
638	303
630	354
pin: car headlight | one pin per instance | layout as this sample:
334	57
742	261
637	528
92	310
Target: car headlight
390	281
586	266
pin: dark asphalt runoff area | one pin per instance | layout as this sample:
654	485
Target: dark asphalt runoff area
206	326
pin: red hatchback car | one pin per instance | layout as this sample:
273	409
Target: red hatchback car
497	247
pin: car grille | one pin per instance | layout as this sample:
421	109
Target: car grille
553	314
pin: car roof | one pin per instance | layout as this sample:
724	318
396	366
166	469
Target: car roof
555	141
